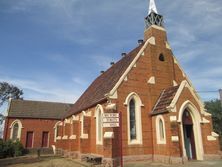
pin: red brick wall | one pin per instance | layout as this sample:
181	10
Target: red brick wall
35	125
165	73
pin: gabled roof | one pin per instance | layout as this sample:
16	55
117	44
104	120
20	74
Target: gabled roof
103	84
37	109
165	99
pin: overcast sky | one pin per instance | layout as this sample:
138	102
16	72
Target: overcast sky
53	49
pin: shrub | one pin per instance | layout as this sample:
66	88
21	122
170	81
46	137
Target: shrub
1	149
18	148
10	149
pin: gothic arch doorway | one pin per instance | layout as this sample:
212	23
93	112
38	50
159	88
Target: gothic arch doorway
190	127
188	134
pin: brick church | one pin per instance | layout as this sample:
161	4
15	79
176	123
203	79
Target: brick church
143	108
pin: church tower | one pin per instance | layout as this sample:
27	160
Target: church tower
163	70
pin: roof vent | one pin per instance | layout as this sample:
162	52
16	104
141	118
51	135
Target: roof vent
140	41
123	54
112	63
102	72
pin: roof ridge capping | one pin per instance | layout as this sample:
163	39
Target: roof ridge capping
40	101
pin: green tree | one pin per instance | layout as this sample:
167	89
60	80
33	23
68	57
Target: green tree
8	91
215	108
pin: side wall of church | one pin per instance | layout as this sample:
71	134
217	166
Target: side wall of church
37	126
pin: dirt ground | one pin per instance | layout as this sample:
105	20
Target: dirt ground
63	162
217	163
45	162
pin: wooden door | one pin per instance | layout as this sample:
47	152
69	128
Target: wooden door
45	139
29	140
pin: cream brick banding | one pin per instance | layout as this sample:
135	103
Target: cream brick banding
151	80
173	118
175	138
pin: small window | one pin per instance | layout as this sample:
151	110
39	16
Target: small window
161	57
83	125
160	130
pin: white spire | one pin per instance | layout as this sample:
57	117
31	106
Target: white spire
152	7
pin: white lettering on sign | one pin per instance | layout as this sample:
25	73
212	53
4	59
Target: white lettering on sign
110	125
111	115
108	120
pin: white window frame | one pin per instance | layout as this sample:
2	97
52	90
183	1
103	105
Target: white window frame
83	135
19	129
138	105
158	136
59	123
99	108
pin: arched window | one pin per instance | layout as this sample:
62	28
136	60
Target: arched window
134	121
15	131
160	130
82	119
57	129
16	128
99	128
132	113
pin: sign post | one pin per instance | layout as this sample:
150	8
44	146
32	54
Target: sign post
114	120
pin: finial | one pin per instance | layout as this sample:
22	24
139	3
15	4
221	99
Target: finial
152	7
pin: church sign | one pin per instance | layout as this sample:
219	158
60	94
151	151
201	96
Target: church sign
110	120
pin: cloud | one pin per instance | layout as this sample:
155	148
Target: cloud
79	81
103	28
58	58
44	90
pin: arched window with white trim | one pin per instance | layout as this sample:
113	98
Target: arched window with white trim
160	130
15	131
83	135
56	130
99	128
132	116
16	128
134	120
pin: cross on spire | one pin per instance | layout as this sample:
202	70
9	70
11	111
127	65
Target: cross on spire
152	7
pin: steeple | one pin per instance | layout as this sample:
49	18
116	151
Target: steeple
152	7
153	17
